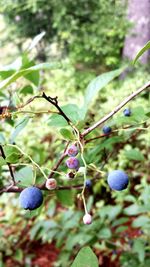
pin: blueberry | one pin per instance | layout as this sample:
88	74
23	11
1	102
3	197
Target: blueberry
127	112
88	183
118	180
51	184
31	198
72	151
106	129
72	163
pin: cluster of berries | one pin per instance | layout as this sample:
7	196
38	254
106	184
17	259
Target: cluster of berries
107	129
72	162
32	198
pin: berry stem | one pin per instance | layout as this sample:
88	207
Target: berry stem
26	155
85	166
9	166
116	109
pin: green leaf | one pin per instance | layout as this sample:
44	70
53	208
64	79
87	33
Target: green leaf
104	233
57	121
18	255
132	210
2	161
141	221
34	77
97	84
24	72
13	158
18	128
26	90
121	229
139	248
85	258
12	154
65	197
142	51
67	134
78	239
2	139
25	176
36	40
134	154
73	112
110	211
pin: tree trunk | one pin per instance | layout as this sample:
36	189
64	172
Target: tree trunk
139	34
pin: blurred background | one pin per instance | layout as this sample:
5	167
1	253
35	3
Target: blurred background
88	38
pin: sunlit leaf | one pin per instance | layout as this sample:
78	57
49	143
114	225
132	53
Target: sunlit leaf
142	51
85	258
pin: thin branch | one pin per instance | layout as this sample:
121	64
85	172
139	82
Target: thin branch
122	104
97	137
9	165
29	101
54	102
16	189
58	163
109	134
38	112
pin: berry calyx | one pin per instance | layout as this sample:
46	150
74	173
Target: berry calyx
118	180
31	198
107	129
70	175
51	184
127	112
72	163
87	219
72	151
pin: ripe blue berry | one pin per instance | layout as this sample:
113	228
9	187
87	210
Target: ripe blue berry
72	151
88	183
127	112
118	180
72	163
31	198
106	129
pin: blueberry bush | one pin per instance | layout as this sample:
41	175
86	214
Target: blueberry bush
74	167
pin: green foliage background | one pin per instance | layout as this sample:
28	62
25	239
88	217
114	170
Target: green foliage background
84	32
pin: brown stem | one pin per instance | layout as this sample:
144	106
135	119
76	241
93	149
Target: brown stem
16	189
9	165
58	163
54	102
105	135
122	104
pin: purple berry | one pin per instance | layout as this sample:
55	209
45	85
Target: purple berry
72	151
106	129
127	112
118	180
72	163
